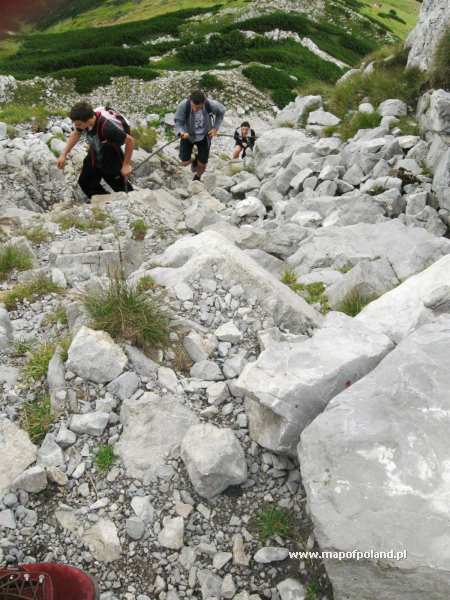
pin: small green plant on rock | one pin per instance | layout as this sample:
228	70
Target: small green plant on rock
139	229
313	293
22	347
13	258
273	521
37	287
37	365
146	283
105	458
354	302
98	219
128	313
37	418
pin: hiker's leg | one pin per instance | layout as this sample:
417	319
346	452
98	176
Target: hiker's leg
186	152
203	156
89	180
112	164
237	152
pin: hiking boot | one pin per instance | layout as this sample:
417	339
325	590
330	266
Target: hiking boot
194	165
196	178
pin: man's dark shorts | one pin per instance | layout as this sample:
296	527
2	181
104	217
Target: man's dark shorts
203	146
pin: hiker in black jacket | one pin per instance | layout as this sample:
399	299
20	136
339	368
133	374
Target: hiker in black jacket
245	138
106	131
197	121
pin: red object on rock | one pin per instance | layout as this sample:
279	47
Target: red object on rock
46	581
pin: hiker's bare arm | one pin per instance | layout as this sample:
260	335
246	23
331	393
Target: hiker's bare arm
129	147
73	140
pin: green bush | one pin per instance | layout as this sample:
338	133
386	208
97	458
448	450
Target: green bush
273	521
272	80
127	312
210	82
145	137
354	302
105	458
440	68
88	78
353	123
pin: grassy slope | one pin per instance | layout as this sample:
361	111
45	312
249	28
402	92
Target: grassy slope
407	10
111	12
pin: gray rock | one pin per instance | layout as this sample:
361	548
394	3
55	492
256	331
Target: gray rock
144	366
93	355
143	508
292	382
393	108
65	437
50	454
380	451
17	453
172	534
124	386
271	554
228	332
214	459
135	528
291	589
7	519
409	250
211	585
168	379
423	39
33	480
322	118
9	375
206	370
153	428
56	380
6	330
416	301
92	423
103	541
369	279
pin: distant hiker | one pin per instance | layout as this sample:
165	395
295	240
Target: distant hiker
245	138
106	132
197	121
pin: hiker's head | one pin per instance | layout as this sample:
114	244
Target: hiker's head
245	128
82	116
198	100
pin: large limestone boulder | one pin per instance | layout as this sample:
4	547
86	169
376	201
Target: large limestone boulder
292	382
93	355
214	459
153	428
196	257
295	111
423	39
16	451
375	467
275	144
416	301
408	249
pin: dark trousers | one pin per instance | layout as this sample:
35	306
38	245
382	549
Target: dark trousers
92	174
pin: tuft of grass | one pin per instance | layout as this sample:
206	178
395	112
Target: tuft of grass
36	235
127	313
408	126
22	347
13	258
313	293
146	283
37	418
58	316
37	365
182	361
353	123
354	302
37	287
273	521
98	219
208	81
440	67
104	458
139	230
145	137
312	591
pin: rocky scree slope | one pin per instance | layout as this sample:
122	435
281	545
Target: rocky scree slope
307	294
